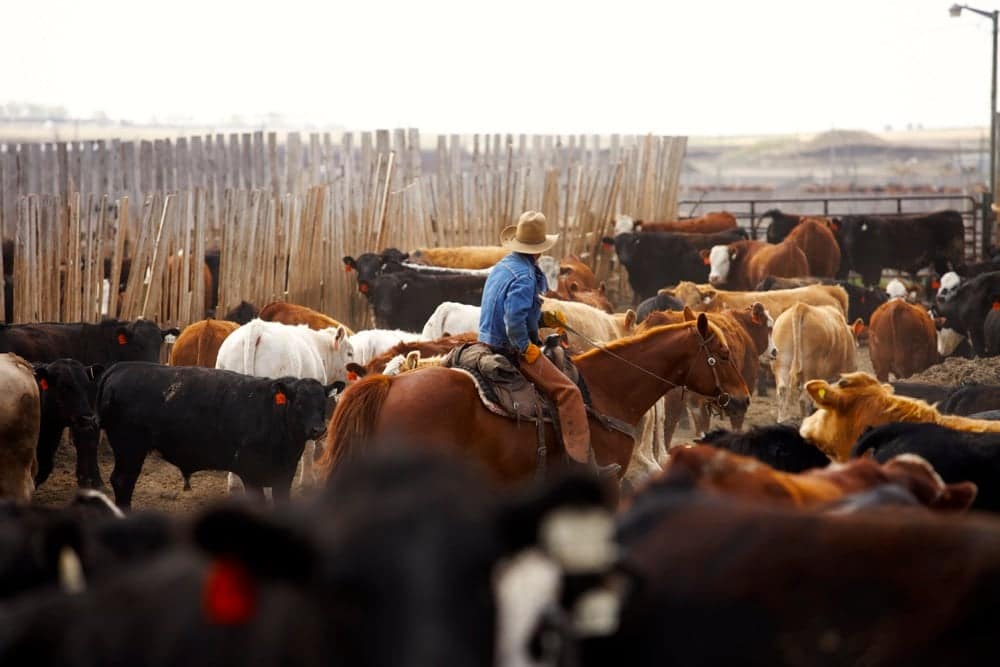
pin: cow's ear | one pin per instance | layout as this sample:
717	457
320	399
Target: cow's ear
334	388
122	335
704	252
42	376
94	372
281	392
349	263
956	497
757	313
356	370
574	287
602	288
630	318
688	314
340	335
821	392
564	270
858	327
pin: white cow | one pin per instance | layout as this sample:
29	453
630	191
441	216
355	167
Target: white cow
371	343
274	350
896	289
451	318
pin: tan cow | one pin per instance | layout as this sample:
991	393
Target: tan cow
593	323
460	257
198	344
20	419
857	401
290	313
810	342
711	299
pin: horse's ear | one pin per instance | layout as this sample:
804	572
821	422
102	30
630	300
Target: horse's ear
629	319
688	314
703	325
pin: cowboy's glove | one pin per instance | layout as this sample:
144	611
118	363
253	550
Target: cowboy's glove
531	353
553	319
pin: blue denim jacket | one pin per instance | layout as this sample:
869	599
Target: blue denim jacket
512	304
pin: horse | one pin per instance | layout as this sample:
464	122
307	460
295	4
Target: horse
439	408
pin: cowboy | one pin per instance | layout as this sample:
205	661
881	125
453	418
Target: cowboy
508	324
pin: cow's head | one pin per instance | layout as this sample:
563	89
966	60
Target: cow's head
846	408
720	261
915	474
691	295
778	225
137	341
337	354
67	390
627	247
896	289
476	551
303	404
242	313
370	266
388	293
947	287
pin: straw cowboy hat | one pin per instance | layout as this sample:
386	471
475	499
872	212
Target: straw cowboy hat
528	235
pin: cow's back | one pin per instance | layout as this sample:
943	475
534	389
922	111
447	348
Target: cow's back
294	314
783	260
902	340
199	343
820	247
272	350
814	342
20	418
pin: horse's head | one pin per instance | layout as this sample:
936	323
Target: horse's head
712	371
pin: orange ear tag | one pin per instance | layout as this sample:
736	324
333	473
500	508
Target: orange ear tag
229	596
995	306
347	268
363	288
935	285
352	376
122	339
44	384
280	398
706	261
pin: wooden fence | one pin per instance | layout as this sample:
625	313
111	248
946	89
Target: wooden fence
282	212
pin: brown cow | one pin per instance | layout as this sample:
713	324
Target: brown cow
902	340
711	222
577	283
198	344
20	420
460	257
743	264
810	342
707	468
819	245
290	313
857	401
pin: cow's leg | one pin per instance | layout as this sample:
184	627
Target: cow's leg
978	339
86	441
254	491
782	392
281	487
673	405
233	483
128	465
45	453
736	418
307	477
698	413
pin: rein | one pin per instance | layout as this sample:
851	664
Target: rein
722	400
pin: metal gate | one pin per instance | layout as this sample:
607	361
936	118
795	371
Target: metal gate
978	237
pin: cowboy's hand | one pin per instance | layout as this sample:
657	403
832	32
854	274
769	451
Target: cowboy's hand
553	319
531	353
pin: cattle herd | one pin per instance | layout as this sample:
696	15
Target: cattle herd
853	525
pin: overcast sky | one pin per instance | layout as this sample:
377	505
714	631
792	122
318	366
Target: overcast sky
701	68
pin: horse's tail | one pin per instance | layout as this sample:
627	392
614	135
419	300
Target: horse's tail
206	340
353	422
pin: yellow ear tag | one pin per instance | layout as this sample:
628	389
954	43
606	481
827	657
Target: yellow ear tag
821	392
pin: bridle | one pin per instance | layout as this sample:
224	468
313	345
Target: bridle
720	400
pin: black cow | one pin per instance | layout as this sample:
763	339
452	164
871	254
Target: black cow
104	343
39	546
208	419
925	391
654	303
779	225
67	390
958	456
405	299
971	398
965	313
861	301
402	563
779	446
991	332
369	266
658	259
242	313
871	243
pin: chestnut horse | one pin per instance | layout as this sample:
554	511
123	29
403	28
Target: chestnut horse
440	408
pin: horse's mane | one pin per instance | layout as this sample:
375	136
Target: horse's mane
649	333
